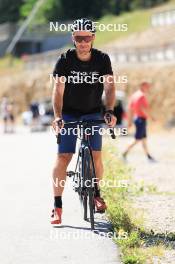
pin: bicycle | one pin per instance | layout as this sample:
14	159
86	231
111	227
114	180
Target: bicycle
85	170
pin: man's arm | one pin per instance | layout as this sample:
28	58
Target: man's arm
57	98
57	102
147	112
110	98
145	108
130	117
109	88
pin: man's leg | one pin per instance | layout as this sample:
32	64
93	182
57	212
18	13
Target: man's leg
59	179
12	123
99	202
130	147
97	157
144	140
138	136
5	125
145	148
59	172
66	149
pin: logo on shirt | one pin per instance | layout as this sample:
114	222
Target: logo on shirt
84	77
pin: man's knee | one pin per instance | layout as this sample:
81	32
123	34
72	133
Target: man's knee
63	158
97	154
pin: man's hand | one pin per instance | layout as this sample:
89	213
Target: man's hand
110	119
57	124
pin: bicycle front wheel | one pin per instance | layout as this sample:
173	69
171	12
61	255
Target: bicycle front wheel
88	174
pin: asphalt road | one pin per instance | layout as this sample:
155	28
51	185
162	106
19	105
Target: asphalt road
26	236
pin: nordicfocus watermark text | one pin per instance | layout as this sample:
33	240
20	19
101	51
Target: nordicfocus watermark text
81	235
88	77
56	26
93	130
113	183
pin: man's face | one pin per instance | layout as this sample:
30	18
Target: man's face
146	87
83	41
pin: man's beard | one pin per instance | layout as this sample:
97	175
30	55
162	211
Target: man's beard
82	52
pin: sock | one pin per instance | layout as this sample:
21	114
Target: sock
58	202
149	156
97	193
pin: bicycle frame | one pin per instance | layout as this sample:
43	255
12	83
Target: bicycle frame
85	143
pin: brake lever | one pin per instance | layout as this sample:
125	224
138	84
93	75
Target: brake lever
108	117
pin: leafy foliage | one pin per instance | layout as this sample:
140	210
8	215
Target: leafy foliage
55	10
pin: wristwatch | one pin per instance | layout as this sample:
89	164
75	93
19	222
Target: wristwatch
111	112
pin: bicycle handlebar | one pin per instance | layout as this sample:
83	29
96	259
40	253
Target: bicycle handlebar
86	123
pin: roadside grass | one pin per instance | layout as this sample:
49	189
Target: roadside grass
138	255
127	221
10	63
137	21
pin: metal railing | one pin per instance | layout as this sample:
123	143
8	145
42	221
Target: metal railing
45	59
144	55
163	18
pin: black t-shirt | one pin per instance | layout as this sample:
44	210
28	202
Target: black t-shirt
84	86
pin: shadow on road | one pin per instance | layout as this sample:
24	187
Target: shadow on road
102	228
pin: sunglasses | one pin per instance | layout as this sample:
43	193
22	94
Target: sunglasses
79	39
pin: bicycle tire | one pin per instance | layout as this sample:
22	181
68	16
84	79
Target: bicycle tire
87	170
83	190
85	206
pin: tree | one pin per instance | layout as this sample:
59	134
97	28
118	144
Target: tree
118	8
55	10
90	8
10	10
127	5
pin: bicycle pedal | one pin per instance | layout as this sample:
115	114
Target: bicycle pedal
70	173
99	212
75	189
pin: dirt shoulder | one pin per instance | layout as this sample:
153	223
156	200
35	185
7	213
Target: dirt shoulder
156	182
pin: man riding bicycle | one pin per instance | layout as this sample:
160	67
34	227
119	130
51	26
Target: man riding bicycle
77	95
